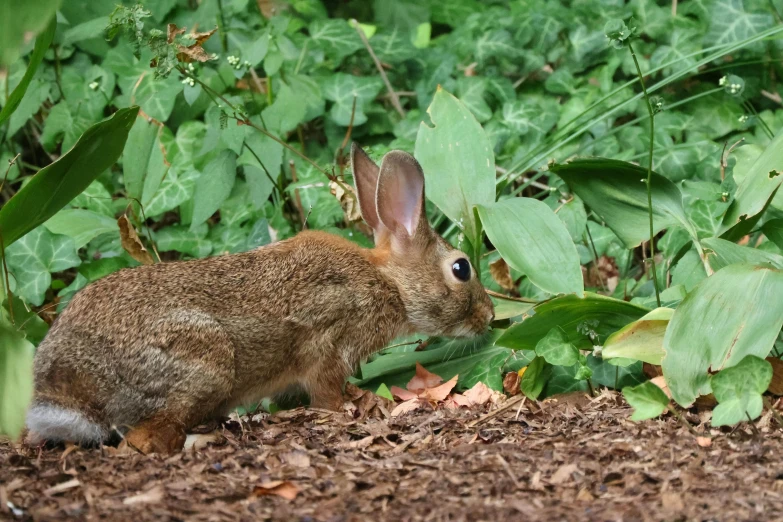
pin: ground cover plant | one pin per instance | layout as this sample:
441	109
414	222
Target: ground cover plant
611	168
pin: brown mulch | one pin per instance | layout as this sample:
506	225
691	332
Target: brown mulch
574	458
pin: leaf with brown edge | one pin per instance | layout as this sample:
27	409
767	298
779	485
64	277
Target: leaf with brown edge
501	273
439	393
280	488
193	52
172	31
132	243
348	201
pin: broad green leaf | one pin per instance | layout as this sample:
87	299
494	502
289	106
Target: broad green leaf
556	349
85	31
458	162
42	43
288	111
342	88
336	37
20	20
213	186
534	116
177	187
535	378
383	391
16	377
32	259
647	399
730	22
724	253
738	391
616	191
80	225
757	186
773	229
507	308
732	314
486	371
534	241
641	340
185	240
136	155
470	91
616	376
588	321
57	184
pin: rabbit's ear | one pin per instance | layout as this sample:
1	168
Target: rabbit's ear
365	176
400	195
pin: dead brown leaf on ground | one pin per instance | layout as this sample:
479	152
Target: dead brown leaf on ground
281	488
132	243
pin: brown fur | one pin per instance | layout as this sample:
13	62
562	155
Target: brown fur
161	348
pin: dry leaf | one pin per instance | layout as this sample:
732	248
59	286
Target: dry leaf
281	488
511	383
131	242
148	497
776	384
672	502
439	393
563	474
296	458
423	380
704	442
409	406
199	441
479	394
501	273
193	52
661	383
405	395
348	201
172	31
584	495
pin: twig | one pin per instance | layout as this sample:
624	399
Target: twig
682	420
297	197
775	97
393	95
507	468
509	403
338	154
771	407
595	260
509	298
724	157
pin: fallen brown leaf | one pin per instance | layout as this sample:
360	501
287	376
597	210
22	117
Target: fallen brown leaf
511	383
423	380
439	393
704	442
479	394
563	474
132	243
501	273
347	198
281	488
405	395
661	383
776	384
409	406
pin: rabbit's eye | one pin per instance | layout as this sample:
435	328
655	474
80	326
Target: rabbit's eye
461	269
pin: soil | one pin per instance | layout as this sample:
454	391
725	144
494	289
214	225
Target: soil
573	458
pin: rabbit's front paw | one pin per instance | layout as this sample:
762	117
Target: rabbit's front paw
156	437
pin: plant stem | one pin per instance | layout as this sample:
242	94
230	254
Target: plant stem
222	22
749	106
392	95
649	174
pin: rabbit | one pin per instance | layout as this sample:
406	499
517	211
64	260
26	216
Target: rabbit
154	351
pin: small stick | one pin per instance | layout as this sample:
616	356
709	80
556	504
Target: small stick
682	420
771	408
509	403
393	95
509	298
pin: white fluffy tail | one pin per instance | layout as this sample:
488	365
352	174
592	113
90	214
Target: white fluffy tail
48	422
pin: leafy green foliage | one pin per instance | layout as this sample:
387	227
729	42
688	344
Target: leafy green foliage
647	399
738	391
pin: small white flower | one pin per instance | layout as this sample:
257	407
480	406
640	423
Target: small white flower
724	194
246	63
189	81
233	60
214	56
94	86
191	68
723	81
743	118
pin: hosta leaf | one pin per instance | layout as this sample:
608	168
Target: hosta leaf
32	259
16	377
458	162
213	186
641	340
732	314
722	253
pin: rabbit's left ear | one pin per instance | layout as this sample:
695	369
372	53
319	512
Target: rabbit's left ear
365	176
400	195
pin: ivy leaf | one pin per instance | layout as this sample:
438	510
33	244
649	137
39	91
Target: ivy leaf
286	112
495	44
647	399
556	349
393	47
341	88
336	37
192	241
532	116
486	371
175	189
156	96
535	378
34	257
470	91
738	391
730	22
213	186
80	225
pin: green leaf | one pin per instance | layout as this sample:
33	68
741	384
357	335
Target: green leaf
184	239
738	391
730	22
156	96
757	186
641	340
773	229
80	225
725	253
486	371
534	241
175	189
383	391
342	88
336	37
587	321
42	43
556	349
471	92
616	191
535	117
57	184
32	259
16	377
732	314
288	111
535	377
18	20
213	186
136	155
647	399
458	162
